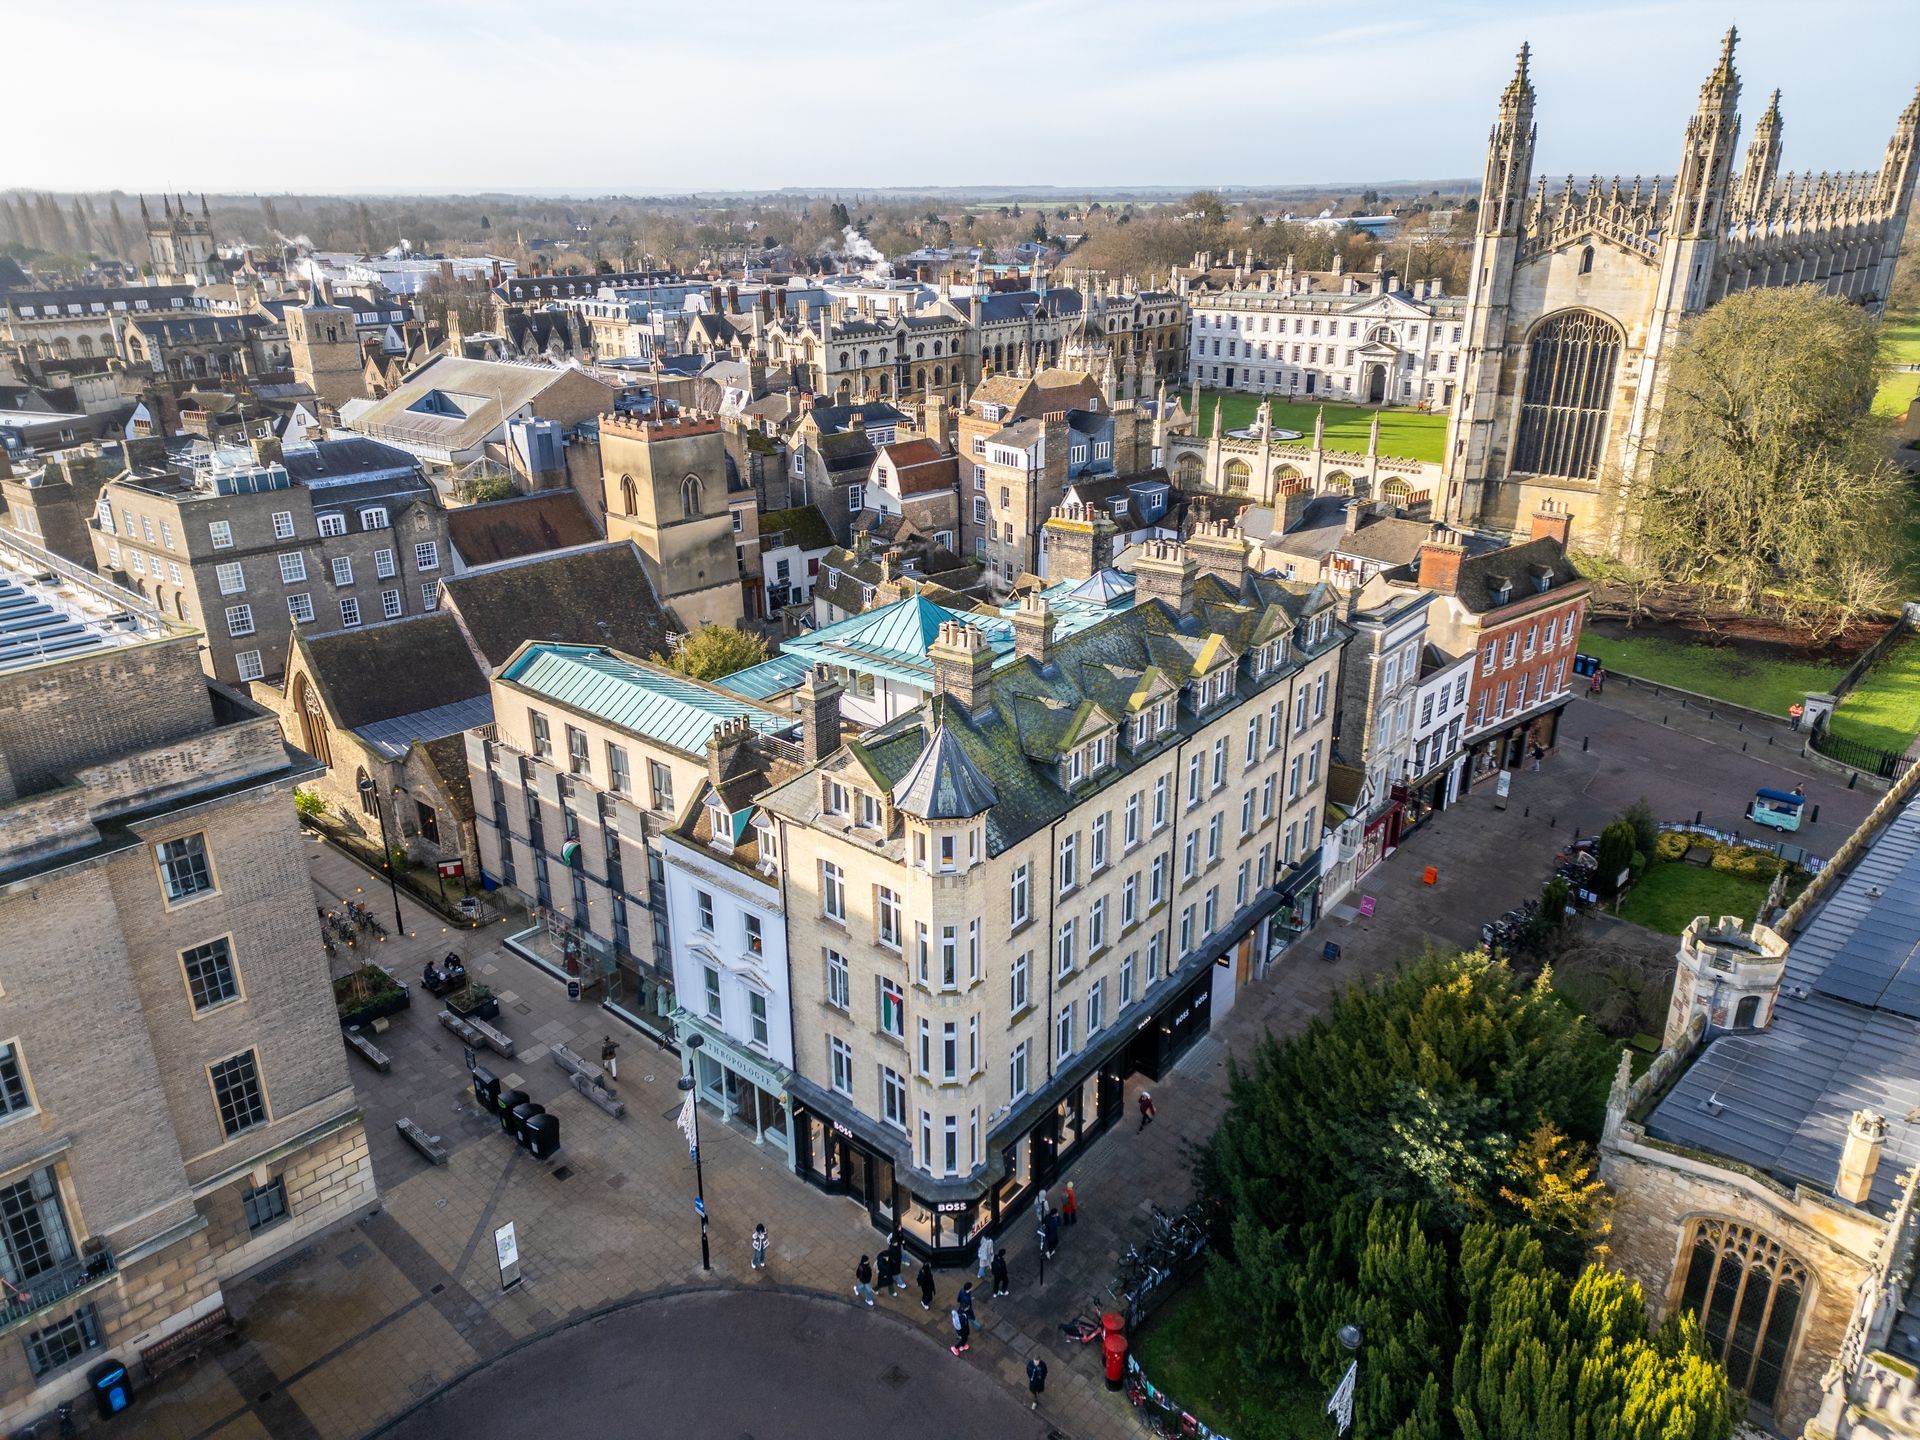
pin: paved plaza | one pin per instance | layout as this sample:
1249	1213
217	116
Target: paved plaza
361	1327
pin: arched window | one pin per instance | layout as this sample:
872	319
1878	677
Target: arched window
919	351
936	347
1586	261
62	349
1238	476
690	495
1568	391
1746	1012
629	496
86	345
313	723
1747	1292
936	375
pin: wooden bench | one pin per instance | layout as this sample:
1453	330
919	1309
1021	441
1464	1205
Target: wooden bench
368	1051
427	1145
598	1094
186	1343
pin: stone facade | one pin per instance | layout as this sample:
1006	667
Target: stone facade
667	488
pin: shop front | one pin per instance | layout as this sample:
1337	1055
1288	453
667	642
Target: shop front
748	1091
1512	747
1298	907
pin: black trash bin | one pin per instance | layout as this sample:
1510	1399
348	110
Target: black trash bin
508	1099
521	1115
112	1390
543	1135
486	1088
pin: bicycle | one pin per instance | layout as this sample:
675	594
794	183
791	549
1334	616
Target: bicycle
1082	1331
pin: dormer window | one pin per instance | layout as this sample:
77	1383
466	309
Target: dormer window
836	798
1076	766
869	812
1102	753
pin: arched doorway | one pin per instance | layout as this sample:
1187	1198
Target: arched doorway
1376	385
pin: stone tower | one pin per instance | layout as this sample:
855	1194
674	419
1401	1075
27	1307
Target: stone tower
326	351
179	243
665	483
1729	972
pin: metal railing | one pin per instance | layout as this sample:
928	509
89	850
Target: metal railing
52	1286
1887	764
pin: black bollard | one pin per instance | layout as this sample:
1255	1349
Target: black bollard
1851	778
1769	740
1664	720
1697	815
1743	747
1743	727
1585	741
1816	816
1526	813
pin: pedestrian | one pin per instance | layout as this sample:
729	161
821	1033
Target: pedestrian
1036	1380
1146	1109
1795	712
926	1284
863	1281
609	1057
1040	1207
897	1243
1599	679
962	1330
1070	1206
883	1272
984	1261
759	1247
1052	1233
1539	754
965	1301
1000	1286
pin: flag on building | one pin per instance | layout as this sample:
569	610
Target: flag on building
1341	1405
685	1123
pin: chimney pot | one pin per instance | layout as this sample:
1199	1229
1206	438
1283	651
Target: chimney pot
1860	1157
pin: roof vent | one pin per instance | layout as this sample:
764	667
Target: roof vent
1712	1104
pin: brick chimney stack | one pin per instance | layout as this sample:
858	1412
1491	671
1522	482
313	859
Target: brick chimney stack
728	737
1033	626
818	700
1440	557
1219	550
1164	571
962	665
1552	522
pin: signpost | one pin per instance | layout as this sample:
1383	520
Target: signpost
1502	787
506	1245
449	870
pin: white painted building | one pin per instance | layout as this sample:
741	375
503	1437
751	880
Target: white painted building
1353	339
1439	718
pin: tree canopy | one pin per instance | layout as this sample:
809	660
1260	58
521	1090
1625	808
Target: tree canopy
1770	477
715	650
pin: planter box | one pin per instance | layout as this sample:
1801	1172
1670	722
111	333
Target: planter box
464	1007
377	1008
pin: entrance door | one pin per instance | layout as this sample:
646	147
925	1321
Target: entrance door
854	1166
1376	384
1229	377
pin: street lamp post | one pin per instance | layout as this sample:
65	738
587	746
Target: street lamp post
370	793
689	1084
1340	1407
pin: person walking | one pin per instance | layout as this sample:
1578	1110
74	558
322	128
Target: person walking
1599	679
1538	755
863	1281
759	1247
1040	1207
1070	1206
610	1057
962	1331
1051	1233
1146	1109
897	1243
965	1301
1000	1286
883	1272
1036	1380
985	1260
926	1284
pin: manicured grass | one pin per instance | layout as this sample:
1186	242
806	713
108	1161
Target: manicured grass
1896	392
1725	674
1897	388
1884	708
1671	896
1408	434
1188	1351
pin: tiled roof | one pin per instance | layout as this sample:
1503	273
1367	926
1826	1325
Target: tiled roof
1515	564
644	699
397	668
519	526
596	595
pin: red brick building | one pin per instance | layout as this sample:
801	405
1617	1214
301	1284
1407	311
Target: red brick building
1519	612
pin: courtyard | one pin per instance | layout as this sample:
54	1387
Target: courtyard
364	1325
1409	434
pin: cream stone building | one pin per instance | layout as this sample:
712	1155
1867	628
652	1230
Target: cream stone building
175	1108
1007	905
671	488
1578	298
1764	1167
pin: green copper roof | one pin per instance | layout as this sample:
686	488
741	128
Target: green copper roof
648	700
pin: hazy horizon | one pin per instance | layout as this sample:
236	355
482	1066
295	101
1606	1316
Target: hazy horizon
590	98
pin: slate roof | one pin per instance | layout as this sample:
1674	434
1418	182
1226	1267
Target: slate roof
595	595
519	526
399	667
831	418
644	699
1096	676
1845	1036
159	299
943	784
1386	541
1515	563
353	458
802	525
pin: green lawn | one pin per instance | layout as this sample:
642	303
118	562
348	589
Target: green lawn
1409	434
1903	347
1188	1351
1725	674
1670	896
1884	708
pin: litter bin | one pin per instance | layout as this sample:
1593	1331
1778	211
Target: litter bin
1113	1345
521	1115
112	1390
508	1099
543	1135
486	1088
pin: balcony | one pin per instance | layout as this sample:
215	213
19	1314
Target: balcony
50	1287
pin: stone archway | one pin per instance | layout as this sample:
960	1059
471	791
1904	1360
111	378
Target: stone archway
1237	476
1374	386
1187	471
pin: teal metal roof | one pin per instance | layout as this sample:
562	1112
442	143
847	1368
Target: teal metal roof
891	642
769	677
647	700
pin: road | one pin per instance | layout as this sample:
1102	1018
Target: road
757	1364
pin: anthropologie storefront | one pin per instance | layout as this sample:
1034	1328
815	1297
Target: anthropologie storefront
746	1090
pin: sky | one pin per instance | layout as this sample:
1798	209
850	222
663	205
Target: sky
638	97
